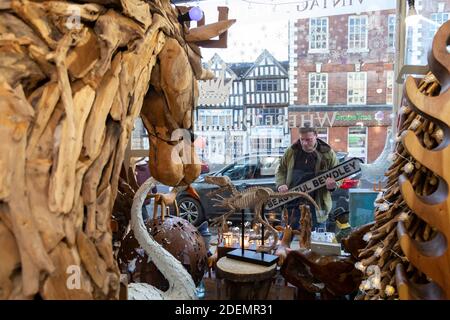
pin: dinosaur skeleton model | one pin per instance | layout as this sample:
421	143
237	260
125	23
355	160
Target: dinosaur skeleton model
253	198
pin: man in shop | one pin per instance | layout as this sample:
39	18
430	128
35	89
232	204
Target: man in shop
305	159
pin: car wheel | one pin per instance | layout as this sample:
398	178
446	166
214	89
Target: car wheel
191	210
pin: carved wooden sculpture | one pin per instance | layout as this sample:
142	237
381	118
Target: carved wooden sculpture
430	256
407	242
329	276
73	78
305	227
254	198
287	237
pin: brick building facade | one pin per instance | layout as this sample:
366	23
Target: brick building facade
342	66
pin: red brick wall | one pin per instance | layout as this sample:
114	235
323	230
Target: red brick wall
376	141
337	138
338	62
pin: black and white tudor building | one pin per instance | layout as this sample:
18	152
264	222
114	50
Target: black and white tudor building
254	117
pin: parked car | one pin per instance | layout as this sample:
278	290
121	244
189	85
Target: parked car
205	166
251	170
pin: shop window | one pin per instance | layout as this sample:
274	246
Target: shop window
318	88
318	34
357	142
356	87
357	33
389	87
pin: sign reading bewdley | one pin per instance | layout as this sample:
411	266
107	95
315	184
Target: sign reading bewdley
343	170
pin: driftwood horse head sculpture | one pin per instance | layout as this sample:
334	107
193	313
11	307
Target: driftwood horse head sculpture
73	78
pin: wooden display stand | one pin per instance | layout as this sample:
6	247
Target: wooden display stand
431	257
245	281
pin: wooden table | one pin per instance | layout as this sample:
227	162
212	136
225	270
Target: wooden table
245	281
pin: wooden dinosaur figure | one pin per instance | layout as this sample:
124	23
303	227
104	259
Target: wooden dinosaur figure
287	237
253	198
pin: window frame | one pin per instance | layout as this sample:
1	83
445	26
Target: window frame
391	32
349	74
366	47
327	34
325	89
366	133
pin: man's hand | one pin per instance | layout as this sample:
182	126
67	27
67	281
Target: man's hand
330	183
283	188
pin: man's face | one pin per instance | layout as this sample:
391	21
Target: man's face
308	140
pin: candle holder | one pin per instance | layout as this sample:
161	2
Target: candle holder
228	239
251	256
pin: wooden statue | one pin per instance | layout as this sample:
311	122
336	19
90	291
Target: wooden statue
431	255
305	227
73	78
411	218
287	236
328	276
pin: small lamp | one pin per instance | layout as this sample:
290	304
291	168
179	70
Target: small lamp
194	14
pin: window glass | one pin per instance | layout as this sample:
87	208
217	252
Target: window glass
268	166
318	34
242	169
356	87
357	33
357	142
318	88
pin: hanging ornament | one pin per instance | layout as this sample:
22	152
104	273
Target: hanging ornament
403	216
359	266
378	252
408	168
364	286
384	206
390	290
367	236
404	109
439	134
414	124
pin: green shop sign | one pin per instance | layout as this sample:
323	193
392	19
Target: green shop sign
354	117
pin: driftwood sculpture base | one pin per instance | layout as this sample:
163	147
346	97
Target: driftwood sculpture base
245	281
